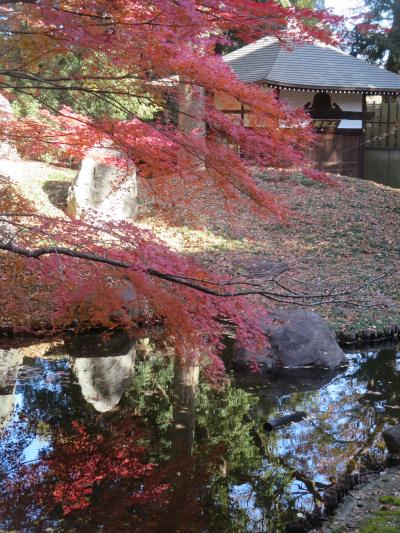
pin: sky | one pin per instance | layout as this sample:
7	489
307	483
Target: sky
344	7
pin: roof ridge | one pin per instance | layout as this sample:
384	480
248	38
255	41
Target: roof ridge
295	64
260	43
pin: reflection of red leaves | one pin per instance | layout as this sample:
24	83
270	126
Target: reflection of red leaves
91	460
91	472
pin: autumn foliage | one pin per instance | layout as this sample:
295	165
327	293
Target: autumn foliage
160	53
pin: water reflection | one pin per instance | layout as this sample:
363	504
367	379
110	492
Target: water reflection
10	361
103	380
161	448
185	389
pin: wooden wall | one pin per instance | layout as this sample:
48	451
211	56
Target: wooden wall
338	153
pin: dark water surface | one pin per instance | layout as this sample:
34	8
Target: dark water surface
93	442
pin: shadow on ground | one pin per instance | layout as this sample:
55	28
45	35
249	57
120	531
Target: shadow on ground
57	193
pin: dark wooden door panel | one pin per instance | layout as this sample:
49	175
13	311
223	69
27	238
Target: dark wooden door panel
338	153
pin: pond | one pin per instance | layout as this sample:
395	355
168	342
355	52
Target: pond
129	442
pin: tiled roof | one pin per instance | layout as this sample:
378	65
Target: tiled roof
309	66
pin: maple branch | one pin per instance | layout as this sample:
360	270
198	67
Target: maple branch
36	253
305	300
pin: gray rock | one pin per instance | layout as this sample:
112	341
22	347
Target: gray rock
6	193
391	436
101	188
5	106
298	338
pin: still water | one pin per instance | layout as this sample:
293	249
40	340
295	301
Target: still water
111	436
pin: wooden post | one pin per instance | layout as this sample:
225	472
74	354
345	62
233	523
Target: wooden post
363	136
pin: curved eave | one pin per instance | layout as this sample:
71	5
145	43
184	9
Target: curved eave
345	90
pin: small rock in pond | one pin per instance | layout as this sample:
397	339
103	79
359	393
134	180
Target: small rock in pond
393	459
391	436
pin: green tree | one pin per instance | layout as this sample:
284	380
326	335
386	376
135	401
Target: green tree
91	98
378	37
305	4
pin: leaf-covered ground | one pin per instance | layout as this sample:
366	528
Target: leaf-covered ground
339	235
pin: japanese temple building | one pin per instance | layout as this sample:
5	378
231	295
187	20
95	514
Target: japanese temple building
353	104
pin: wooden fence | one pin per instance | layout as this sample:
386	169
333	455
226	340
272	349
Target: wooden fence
382	142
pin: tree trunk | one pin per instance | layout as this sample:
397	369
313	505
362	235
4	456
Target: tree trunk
393	62
191	123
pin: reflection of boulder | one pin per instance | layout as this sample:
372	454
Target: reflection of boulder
298	338
98	344
102	187
10	361
103	380
103	365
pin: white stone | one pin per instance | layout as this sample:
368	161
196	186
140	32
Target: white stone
7	150
5	106
102	189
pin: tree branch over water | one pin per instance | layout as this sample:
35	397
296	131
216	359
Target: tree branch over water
329	296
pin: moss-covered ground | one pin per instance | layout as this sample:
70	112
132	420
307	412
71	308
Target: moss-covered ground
386	519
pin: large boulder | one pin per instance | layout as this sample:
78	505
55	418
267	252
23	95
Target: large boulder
298	338
8	195
103	188
7	150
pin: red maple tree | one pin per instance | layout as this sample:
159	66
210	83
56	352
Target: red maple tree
166	49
